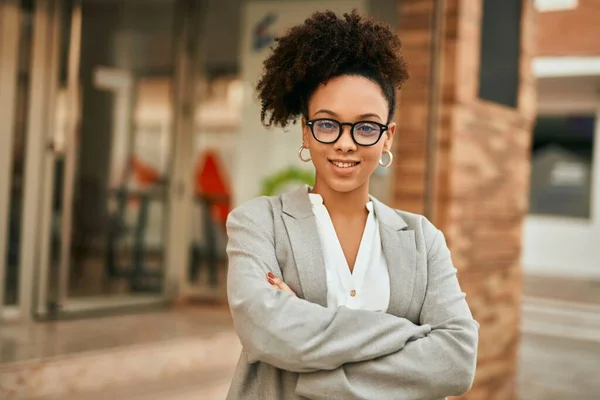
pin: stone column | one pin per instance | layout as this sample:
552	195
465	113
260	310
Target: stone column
477	165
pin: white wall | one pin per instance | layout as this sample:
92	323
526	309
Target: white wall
563	246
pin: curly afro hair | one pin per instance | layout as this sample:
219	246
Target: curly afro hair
326	46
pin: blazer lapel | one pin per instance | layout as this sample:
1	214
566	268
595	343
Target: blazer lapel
301	226
400	252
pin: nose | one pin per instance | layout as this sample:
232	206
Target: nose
345	142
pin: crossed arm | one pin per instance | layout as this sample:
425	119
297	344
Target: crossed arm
439	365
290	333
382	356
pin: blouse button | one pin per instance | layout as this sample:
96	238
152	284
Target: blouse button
353	293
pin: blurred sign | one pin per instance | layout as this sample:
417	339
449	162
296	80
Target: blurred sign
262	35
556	5
568	174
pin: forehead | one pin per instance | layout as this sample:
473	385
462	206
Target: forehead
348	97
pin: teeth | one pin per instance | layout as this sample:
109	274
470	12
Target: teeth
343	164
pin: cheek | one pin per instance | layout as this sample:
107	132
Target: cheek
316	149
318	154
372	156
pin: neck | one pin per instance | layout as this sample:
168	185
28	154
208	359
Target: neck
343	203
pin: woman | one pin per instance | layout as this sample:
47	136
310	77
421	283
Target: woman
335	295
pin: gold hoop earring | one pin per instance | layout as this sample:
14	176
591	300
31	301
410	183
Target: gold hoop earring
300	157
389	161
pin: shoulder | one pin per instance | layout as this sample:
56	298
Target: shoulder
258	210
424	229
433	239
417	222
295	203
405	220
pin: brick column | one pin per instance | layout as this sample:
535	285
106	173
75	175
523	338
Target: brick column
480	176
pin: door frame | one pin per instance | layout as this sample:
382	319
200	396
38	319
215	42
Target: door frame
41	268
10	32
42	90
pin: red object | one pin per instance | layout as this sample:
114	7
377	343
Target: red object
210	181
143	173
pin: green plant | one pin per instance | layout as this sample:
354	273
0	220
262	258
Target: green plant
273	183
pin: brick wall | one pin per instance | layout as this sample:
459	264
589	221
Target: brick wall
410	150
488	202
481	174
573	32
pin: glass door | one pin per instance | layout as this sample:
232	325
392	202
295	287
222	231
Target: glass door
110	179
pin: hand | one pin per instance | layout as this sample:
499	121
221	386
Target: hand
278	284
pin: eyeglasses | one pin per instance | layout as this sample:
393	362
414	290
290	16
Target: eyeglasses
364	133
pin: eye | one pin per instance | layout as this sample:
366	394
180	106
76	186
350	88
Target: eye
326	126
367	128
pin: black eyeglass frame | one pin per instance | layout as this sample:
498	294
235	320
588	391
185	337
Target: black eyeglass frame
311	125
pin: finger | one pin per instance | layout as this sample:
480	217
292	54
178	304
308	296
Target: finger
271	279
277	281
276	287
282	285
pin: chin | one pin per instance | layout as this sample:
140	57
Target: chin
344	186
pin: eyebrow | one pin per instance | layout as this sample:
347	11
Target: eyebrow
361	116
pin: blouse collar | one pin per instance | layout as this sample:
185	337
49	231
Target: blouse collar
316	199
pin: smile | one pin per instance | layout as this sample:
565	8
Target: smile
343	164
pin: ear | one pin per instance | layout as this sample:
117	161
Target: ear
305	134
389	136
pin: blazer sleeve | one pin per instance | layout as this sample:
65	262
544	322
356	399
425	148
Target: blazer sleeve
439	365
285	331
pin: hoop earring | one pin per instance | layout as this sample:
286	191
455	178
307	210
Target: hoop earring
389	161
300	157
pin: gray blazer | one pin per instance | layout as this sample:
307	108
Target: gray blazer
423	347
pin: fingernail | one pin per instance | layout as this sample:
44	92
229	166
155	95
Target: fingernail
271	281
270	275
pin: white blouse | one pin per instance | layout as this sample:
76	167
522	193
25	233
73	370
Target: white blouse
368	286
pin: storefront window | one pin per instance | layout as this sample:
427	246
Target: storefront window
562	165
